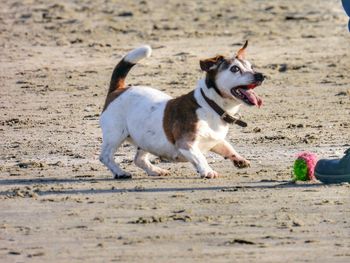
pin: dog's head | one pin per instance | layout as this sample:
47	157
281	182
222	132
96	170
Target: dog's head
234	77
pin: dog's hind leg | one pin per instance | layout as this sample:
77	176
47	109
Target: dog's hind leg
141	160
111	142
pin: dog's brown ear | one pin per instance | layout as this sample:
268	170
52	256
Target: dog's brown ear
241	51
210	63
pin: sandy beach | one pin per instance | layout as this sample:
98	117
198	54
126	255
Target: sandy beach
58	203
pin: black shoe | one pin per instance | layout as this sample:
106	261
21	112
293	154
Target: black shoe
335	170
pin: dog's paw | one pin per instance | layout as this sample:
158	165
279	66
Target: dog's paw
123	176
241	163
158	172
210	175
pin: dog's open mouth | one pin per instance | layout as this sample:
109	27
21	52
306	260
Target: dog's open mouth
247	95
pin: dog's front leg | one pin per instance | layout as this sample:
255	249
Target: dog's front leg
193	154
226	150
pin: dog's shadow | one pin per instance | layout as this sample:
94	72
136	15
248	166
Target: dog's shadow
264	184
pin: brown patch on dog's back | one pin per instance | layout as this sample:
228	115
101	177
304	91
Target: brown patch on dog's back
180	118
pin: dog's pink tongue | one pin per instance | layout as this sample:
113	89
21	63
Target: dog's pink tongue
252	97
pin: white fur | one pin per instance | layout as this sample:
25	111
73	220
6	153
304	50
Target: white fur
137	116
137	54
139	112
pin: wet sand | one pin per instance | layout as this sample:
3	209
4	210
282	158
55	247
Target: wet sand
59	204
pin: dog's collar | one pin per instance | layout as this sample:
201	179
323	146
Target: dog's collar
223	114
211	84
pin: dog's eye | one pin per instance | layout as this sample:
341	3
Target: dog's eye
235	69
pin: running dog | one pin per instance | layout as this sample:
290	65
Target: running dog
181	129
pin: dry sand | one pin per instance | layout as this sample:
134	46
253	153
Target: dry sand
59	204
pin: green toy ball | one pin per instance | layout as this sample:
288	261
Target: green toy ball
300	170
304	167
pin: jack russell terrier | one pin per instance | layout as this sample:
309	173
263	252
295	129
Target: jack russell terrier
181	129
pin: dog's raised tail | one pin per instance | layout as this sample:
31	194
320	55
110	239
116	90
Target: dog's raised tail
122	69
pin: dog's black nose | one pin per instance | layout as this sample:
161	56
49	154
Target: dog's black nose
259	77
